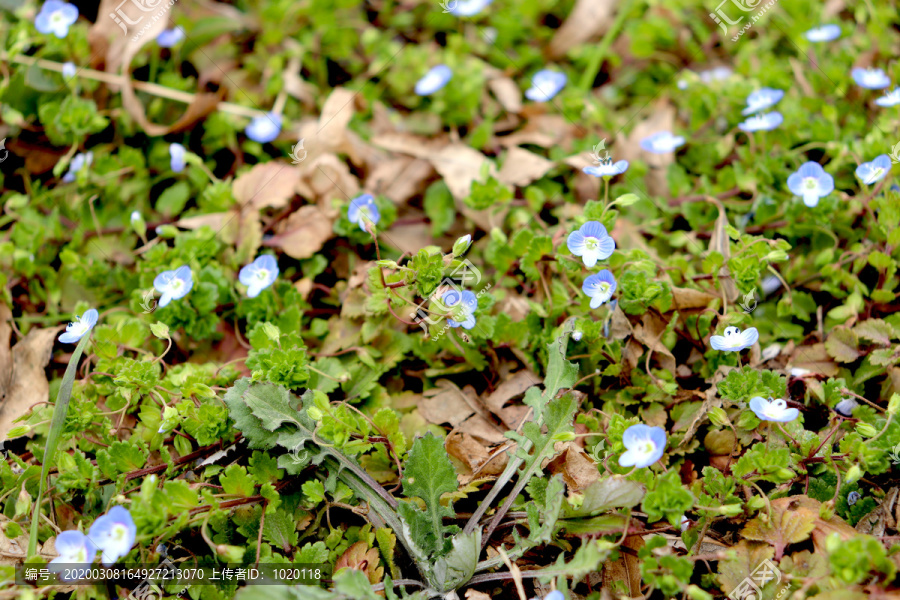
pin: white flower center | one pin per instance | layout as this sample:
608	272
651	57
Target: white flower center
810	183
876	173
603	288
591	243
119	532
646	448
57	18
175	285
262	274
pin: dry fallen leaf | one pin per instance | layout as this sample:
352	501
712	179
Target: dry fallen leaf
588	19
271	183
303	233
6	361
473	594
662	118
687	299
522	167
576	468
626	569
475	455
29	385
507	93
460	165
517	383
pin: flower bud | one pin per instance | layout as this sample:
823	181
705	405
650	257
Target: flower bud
271	331
826	511
314	413
866	430
784	474
461	245
18	431
731	510
854	474
694	592
576	335
756	503
138	224
718	416
231	554
894	404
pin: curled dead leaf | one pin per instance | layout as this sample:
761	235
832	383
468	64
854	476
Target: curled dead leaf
303	233
28	385
271	184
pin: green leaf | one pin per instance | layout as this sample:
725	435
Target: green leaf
428	475
606	494
842	344
877	331
280	529
235	480
457	567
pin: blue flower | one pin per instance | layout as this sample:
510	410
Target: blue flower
734	340
170	37
467	8
763	122
362	209
136	216
811	182
852	498
824	33
435	79
545	85
265	128
79	161
176	152
762	99
591	243
114	534
645	445
871	172
607	168
773	410
462	307
892	98
872	79
56	17
75	331
259	275
845	407
662	142
555	595
75	549
68	70
173	284
599	287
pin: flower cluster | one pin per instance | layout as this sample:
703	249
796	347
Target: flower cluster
113	535
592	243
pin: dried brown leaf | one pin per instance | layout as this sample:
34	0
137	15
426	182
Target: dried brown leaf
271	184
588	19
522	167
303	233
517	383
507	93
28	385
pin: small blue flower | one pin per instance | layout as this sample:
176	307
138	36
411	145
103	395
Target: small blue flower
591	242
607	168
811	182
645	445
68	70
662	142
599	287
75	549
773	410
56	17
824	33
114	534
75	331
467	8
170	37
136	216
852	498
435	79
176	154
362	209
173	284
79	161
259	275
265	128
734	340
762	99
555	595
845	407
545	85
872	79
762	122
462	307
871	172
892	98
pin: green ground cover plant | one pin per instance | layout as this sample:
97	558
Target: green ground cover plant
313	300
